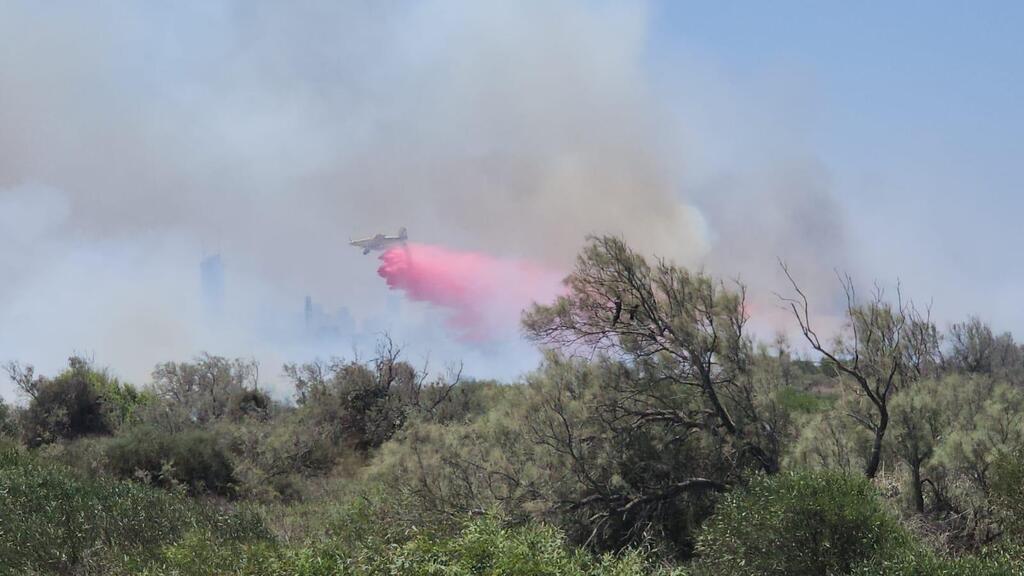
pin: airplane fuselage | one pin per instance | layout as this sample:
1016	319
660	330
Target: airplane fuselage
380	242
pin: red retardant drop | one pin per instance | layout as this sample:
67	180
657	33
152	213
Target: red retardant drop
483	294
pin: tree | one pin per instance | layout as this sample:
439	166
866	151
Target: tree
986	422
976	421
80	401
24	378
885	346
619	476
253	403
918	426
974	349
674	327
363	404
566	448
202	390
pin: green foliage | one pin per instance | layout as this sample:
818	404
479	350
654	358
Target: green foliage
8	426
486	548
1008	491
945	435
975	349
87	455
202	391
11	453
353	404
248	403
201	553
917	561
684	330
53	521
482	547
195	459
918	425
801	402
661	450
564	448
469	400
795	524
80	401
985	421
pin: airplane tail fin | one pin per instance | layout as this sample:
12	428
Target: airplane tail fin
402	233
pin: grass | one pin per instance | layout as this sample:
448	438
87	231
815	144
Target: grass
801	402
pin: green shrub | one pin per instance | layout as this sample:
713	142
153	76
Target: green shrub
249	403
1007	491
483	547
88	455
195	459
10	453
921	562
200	554
7	421
486	548
796	401
54	521
807	523
80	401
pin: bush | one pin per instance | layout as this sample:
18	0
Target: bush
247	403
88	455
7	425
795	401
195	459
1007	493
486	548
202	390
483	547
806	523
53	521
81	401
920	562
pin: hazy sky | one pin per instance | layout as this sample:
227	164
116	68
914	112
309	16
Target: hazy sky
877	138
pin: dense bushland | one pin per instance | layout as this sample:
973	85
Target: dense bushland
656	437
800	524
54	520
195	459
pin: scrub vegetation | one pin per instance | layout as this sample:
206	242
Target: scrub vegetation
656	437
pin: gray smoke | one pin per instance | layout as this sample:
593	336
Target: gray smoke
135	140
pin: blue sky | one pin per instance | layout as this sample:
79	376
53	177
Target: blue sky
913	108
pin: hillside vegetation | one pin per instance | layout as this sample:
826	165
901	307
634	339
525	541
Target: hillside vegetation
656	437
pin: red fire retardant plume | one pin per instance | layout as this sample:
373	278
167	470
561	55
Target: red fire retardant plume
484	295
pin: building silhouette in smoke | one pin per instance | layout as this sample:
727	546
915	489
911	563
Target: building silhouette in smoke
332	331
321	325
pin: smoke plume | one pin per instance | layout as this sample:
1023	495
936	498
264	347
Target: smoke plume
137	139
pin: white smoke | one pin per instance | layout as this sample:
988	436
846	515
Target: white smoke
137	139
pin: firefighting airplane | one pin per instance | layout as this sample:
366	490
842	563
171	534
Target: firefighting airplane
380	241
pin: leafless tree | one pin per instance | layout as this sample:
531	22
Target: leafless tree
23	377
886	345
